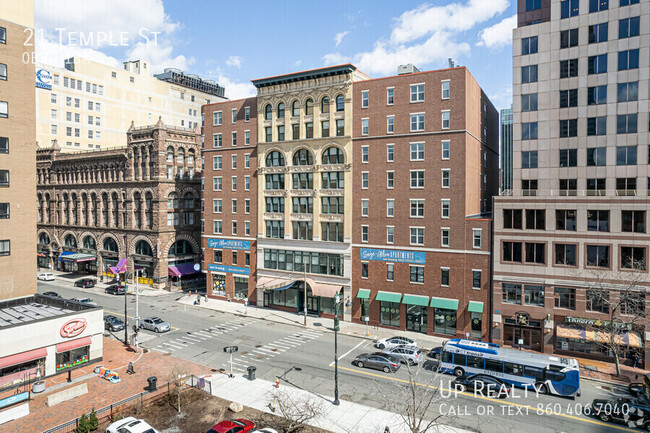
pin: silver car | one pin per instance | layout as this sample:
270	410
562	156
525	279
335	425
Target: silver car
155	324
85	301
389	343
410	355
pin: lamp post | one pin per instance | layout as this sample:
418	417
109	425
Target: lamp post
304	285
126	289
336	356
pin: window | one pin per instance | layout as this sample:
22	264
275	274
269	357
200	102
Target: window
417	92
364	207
340	103
309	130
4	145
390	124
568	38
445	149
444	237
217	184
275	204
597	125
476	238
568	157
275	229
364	180
332	180
217	140
444	213
234	205
628	91
218	229
417	122
217	205
633	221
598	5
445	119
268	134
596	156
598	33
444	277
417	209
568	98
629	2
598	301
529	159
247	114
416	274
309	107
295	131
390	96
364	233
5	245
234	183
280	132
234	228
417	151
569	8
633	258
364	127
234	138
417	235
535	219
565	298
529	131
568	187
340	127
476	279
565	254
565	219
529	45
417	179
511	293
390	234
4	109
364	99
332	232
303	180
529	102
568	128
512	219
325	128
511	252
445	89
446	173
216	118
568	68
535	253
626	124
626	186
390	152
597	64
598	256
633	303
532	5
626	155
596	186
628	60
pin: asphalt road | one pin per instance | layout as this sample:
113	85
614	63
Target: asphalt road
304	358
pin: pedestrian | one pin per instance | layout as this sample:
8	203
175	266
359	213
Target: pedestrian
386	430
637	361
198	299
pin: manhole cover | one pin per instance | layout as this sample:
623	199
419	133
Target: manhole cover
345	397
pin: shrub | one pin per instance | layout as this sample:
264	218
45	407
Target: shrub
84	424
93	420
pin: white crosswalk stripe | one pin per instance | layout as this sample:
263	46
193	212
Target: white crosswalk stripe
264	353
203	334
193	338
174	345
276	347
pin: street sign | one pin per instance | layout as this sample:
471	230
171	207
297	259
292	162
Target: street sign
230	349
197	267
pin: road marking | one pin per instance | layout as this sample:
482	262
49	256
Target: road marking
203	334
293	340
159	350
347	353
174	345
274	348
263	353
196	340
528	408
183	341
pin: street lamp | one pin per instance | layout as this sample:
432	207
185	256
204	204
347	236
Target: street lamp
126	289
336	356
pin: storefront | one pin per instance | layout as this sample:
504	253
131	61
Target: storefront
79	262
183	273
444	315
290	295
521	331
590	337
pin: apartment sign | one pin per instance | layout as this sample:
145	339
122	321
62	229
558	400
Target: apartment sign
44	79
397	256
229	244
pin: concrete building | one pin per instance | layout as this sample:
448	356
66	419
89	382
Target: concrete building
506	149
17	154
572	234
133	207
88	105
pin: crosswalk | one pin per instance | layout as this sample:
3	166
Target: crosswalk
194	337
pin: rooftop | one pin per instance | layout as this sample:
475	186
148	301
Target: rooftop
20	311
176	76
304	75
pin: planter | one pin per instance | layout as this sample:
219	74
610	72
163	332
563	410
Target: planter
38	386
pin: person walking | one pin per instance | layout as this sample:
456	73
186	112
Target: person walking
386	430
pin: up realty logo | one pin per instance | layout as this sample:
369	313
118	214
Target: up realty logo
44	79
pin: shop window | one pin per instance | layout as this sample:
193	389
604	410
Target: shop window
444	321
565	298
71	358
389	313
219	285
511	293
598	301
365	308
534	295
241	288
477	325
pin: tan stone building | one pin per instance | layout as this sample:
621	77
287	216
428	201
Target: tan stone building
17	154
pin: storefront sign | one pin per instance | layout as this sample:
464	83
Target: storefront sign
522	319
397	256
229	269
44	79
13	399
597	323
229	244
73	327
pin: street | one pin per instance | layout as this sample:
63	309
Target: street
304	358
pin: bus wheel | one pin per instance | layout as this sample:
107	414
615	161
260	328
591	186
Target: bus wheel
459	372
542	388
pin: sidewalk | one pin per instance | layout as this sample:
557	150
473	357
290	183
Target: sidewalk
320	323
144	290
606	372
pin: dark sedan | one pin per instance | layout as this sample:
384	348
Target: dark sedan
482	384
116	289
113	324
378	361
85	283
52	294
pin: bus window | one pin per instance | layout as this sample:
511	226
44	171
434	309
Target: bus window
494	365
446	357
514	369
535	372
475	362
459	358
555	376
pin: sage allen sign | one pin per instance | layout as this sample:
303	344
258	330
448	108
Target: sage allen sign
397	256
73	327
229	244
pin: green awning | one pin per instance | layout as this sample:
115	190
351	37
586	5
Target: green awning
388	296
416	300
363	294
447	304
475	307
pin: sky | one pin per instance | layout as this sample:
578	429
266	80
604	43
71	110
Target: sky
235	42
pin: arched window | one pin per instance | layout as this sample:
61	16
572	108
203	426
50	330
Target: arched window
181	248
89	243
340	103
170	154
143	248
188	201
70	241
325	105
190	157
172	201
180	156
43	239
295	109
303	157
309	107
148	198
275	159
137	209
110	245
333	155
281	110
268	112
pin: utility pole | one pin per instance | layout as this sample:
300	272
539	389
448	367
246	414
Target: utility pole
336	355
304	283
126	289
137	311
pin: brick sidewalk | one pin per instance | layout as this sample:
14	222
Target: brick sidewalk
100	391
606	371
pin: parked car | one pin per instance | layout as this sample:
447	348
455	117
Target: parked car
52	294
85	283
482	384
113	324
46	276
265	430
155	324
410	355
130	425
623	410
85	301
378	361
435	352
116	289
233	426
389	343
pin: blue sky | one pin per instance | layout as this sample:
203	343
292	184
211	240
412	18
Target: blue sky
234	42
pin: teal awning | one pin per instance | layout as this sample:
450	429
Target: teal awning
363	294
447	304
416	300
475	307
388	296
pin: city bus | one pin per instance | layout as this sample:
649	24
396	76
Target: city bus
535	371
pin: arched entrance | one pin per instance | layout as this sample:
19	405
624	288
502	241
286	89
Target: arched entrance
181	267
110	256
143	259
43	259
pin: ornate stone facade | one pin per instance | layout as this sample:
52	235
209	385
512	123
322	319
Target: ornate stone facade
141	202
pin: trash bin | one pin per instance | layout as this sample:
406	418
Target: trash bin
251	372
152	383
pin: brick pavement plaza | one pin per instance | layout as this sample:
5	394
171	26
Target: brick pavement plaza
101	392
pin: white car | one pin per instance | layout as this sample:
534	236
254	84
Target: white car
265	430
85	301
389	343
46	276
130	425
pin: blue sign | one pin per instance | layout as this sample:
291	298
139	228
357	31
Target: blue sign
229	244
13	399
415	257
229	269
44	79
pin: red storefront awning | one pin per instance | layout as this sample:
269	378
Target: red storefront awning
19	358
73	344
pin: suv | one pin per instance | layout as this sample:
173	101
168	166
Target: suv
116	289
85	283
410	355
623	410
46	276
130	425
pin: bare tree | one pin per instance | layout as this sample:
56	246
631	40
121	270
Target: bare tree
176	378
296	411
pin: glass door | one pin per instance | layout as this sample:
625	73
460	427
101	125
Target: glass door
416	319
312	304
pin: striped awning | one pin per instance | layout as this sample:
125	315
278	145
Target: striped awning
573	332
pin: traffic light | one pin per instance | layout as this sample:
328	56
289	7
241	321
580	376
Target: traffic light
337	328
